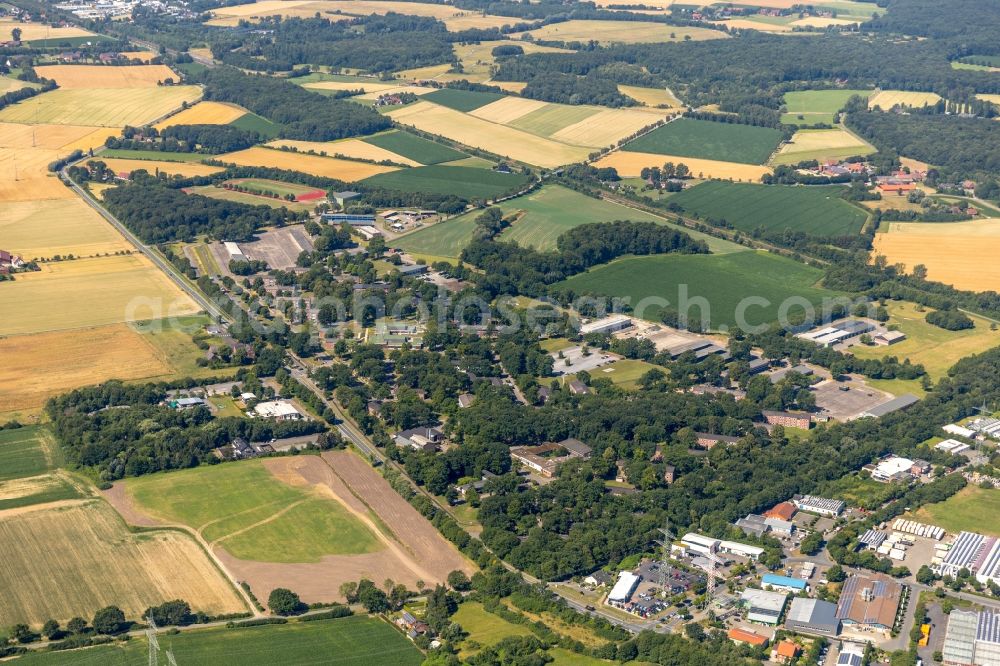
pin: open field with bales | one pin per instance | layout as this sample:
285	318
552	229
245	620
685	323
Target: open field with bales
630	164
723	280
412	147
931	346
808	107
275	523
468	182
114	107
71	558
155	167
34	31
355	148
70	77
349	641
501	140
688	137
89	292
963	511
886	99
819	211
956	253
808	144
204	113
44	228
622	32
329	167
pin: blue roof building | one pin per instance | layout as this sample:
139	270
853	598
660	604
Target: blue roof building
776	582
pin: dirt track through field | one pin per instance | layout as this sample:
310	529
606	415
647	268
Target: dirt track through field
414	550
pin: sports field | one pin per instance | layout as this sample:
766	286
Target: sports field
886	99
26	451
933	347
651	96
621	32
89	292
71	558
329	167
823	144
356	148
818	211
91	77
816	106
501	140
728	142
630	165
274	523
467	182
462	100
349	641
111	107
415	148
46	228
956	253
964	511
723	280
204	113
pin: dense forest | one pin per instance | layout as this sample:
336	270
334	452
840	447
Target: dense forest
299	113
208	139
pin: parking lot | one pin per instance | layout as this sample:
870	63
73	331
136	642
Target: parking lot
578	361
843	401
279	247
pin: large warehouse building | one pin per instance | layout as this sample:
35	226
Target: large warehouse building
869	602
762	606
813	616
975	552
972	639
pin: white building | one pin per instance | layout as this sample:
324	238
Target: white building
952	446
741	549
702	545
955	429
623	589
280	410
607	325
892	468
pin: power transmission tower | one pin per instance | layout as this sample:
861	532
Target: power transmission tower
170	657
668	537
154	644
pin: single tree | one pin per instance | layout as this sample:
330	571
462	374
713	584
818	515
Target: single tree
285	602
110	620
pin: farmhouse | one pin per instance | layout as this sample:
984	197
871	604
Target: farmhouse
781	511
9	262
279	410
788	419
547	458
895	188
422	439
869	603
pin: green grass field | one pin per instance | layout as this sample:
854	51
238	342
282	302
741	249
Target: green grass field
965	510
485	628
857	491
549	119
546	214
26	451
624	373
254	123
466	182
213	192
688	137
273	523
933	347
152	155
818	211
461	100
722	280
816	106
350	641
415	148
273	186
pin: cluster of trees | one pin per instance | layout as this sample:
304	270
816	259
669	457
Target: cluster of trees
157	213
511	269
951	320
299	113
569	89
209	139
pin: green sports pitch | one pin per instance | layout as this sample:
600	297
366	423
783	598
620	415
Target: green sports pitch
815	210
350	641
724	281
710	140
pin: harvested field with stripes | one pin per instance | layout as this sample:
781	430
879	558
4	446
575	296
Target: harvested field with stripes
319	166
630	164
356	148
886	99
42	229
126	166
106	107
651	96
204	113
820	145
73	77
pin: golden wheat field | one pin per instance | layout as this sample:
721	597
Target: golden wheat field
51	137
886	99
19	163
750	24
623	32
607	126
366	86
651	96
509	86
499	139
230	16
89	292
126	166
71	77
33	188
477	21
630	164
107	107
144	56
43	228
822	144
822	21
8	84
318	166
355	148
41	365
33	31
962	254
204	113
67	559
508	109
